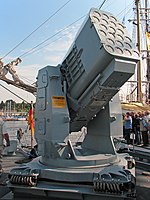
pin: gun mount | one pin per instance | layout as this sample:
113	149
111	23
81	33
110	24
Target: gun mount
74	94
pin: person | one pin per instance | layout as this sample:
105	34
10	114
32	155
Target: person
136	128
19	134
128	126
145	121
34	152
144	128
123	121
4	136
6	140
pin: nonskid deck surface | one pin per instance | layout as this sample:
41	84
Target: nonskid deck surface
8	162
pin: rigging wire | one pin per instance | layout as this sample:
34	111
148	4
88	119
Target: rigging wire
36	29
127	13
14	93
27	79
30	51
102	4
51	37
44	46
124	9
108	4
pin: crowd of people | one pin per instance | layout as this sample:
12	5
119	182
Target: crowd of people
138	125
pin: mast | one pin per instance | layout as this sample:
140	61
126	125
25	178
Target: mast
139	65
148	53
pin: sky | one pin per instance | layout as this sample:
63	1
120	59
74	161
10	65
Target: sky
52	21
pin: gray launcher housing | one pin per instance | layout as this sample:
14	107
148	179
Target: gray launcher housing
101	59
80	92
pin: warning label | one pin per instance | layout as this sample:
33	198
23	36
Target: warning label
58	102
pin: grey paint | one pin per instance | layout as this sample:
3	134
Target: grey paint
98	63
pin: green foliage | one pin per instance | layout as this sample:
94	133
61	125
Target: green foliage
13	106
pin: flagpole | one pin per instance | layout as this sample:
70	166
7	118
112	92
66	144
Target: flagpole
31	128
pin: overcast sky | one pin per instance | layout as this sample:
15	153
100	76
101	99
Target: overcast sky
19	18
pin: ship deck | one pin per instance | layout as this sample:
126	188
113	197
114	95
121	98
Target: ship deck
10	161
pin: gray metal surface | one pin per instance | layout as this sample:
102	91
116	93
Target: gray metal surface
101	59
141	156
101	38
74	94
142	187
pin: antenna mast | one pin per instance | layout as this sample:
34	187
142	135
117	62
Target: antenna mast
148	53
139	65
